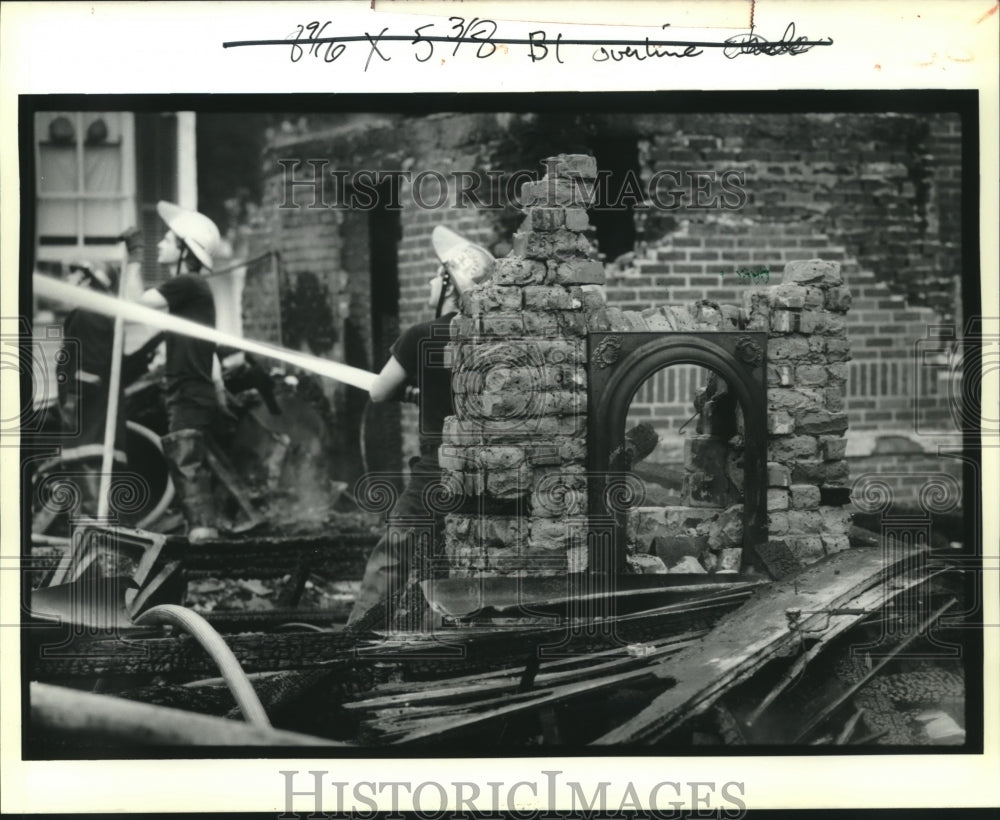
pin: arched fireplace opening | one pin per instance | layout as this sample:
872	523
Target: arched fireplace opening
716	515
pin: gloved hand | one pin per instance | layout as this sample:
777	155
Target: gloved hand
132	237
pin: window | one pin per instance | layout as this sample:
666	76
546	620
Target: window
85	164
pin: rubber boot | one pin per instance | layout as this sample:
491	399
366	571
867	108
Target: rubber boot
185	453
387	574
384	576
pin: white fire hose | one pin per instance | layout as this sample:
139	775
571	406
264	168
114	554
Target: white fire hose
50	288
213	643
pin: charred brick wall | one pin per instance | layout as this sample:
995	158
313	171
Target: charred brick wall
262	301
879	193
516	446
885	187
894	390
808	477
722	259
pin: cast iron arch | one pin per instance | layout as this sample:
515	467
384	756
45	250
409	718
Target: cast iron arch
738	357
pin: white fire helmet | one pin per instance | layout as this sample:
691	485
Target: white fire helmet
195	230
468	264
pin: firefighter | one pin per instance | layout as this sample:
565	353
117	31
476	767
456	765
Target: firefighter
414	373
84	370
83	374
193	373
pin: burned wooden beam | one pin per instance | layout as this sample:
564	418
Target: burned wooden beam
841	619
407	688
574	595
745	640
461	651
51	659
412	727
453	691
337	554
60	652
267	620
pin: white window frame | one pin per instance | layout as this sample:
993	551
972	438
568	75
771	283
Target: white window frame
127	196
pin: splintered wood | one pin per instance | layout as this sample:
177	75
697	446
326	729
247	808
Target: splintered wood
450	707
690	670
745	640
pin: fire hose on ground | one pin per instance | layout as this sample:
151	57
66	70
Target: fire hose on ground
212	642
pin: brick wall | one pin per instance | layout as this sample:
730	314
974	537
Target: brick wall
333	241
879	193
519	425
912	480
886	379
262	301
885	187
515	450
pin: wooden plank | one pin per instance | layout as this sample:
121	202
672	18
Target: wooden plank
337	556
440	728
511	682
618	630
558	663
745	639
839	623
412	714
57	653
848	730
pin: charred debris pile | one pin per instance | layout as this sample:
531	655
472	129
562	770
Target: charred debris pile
742	607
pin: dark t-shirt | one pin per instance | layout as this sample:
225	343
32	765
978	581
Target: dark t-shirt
94	334
420	350
83	373
189	361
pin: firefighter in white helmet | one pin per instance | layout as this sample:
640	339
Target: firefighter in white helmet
414	372
192	371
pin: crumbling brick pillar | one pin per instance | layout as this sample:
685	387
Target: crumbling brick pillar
516	445
806	377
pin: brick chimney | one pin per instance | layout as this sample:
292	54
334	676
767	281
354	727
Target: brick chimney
517	443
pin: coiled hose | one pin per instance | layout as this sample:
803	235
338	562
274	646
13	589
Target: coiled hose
217	649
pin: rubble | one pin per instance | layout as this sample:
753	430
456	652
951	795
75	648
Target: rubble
515	464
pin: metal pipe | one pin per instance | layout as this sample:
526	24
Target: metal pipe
103	717
212	642
49	288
